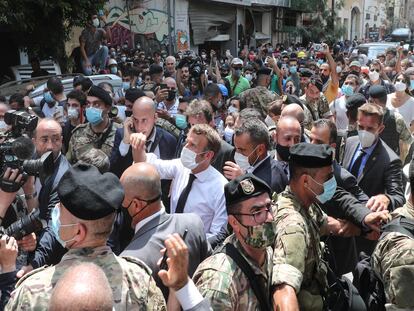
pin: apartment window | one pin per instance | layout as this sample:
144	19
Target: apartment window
368	16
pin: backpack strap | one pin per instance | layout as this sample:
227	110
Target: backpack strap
400	224
102	139
255	283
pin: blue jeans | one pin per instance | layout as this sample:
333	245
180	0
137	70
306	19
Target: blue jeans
98	60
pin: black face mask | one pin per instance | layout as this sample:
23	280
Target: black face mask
283	152
128	113
51	104
171	95
324	78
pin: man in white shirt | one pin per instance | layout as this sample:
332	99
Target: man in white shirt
197	187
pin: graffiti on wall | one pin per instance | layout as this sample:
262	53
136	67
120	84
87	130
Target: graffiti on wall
145	27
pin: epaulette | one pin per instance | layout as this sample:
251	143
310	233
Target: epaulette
138	262
29	274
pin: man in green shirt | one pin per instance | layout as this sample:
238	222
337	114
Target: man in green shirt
237	82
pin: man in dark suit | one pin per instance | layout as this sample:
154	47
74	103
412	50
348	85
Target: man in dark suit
159	142
376	167
152	224
200	112
251	140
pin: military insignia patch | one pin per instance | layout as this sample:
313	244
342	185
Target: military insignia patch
247	186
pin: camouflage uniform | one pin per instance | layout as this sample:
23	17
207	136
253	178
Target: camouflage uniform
219	279
84	138
130	279
393	260
315	110
297	251
259	98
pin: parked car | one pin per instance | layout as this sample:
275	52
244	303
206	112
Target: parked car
374	48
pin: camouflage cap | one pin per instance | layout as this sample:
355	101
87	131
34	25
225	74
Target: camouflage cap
245	187
88	194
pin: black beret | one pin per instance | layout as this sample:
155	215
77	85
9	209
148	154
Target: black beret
99	92
311	155
155	69
317	81
89	195
244	187
377	91
306	72
264	71
133	94
355	101
292	99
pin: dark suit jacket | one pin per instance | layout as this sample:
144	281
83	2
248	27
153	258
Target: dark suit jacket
226	153
272	173
382	173
149	240
166	142
348	182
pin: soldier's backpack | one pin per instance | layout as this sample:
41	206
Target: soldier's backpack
368	282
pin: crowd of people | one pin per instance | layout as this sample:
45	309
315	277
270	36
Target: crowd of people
216	182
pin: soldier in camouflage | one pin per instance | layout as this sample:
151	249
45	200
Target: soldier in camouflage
82	222
393	259
99	132
299	273
259	97
316	104
219	278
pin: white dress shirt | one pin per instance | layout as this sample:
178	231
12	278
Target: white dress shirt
206	198
124	148
189	296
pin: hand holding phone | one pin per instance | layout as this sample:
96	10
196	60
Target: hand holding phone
163	264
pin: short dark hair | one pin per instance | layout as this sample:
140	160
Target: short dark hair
78	95
211	90
275	107
257	131
104	84
84	82
54	85
333	132
17	98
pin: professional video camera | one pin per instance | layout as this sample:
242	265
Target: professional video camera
25	225
17	149
195	64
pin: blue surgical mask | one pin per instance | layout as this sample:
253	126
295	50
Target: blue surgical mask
237	73
320	61
347	90
126	85
114	70
412	84
55	226
48	97
293	69
94	115
181	121
329	188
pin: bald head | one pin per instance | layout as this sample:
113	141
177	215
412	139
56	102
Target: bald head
171	84
48	137
295	111
288	131
141	180
144	115
83	287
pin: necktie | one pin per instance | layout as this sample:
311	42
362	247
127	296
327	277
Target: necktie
184	195
147	145
357	164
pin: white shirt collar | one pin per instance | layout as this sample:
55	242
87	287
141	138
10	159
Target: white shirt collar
148	219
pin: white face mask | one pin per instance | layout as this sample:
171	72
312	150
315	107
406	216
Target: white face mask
95	22
366	138
249	77
338	69
373	75
188	158
232	109
3	125
242	160
73	113
400	86
228	134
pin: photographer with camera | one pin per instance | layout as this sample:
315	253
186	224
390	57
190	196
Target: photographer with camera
190	67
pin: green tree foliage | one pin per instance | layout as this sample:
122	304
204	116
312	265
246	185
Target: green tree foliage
322	25
42	27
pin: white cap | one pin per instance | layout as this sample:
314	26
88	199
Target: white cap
236	61
112	61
